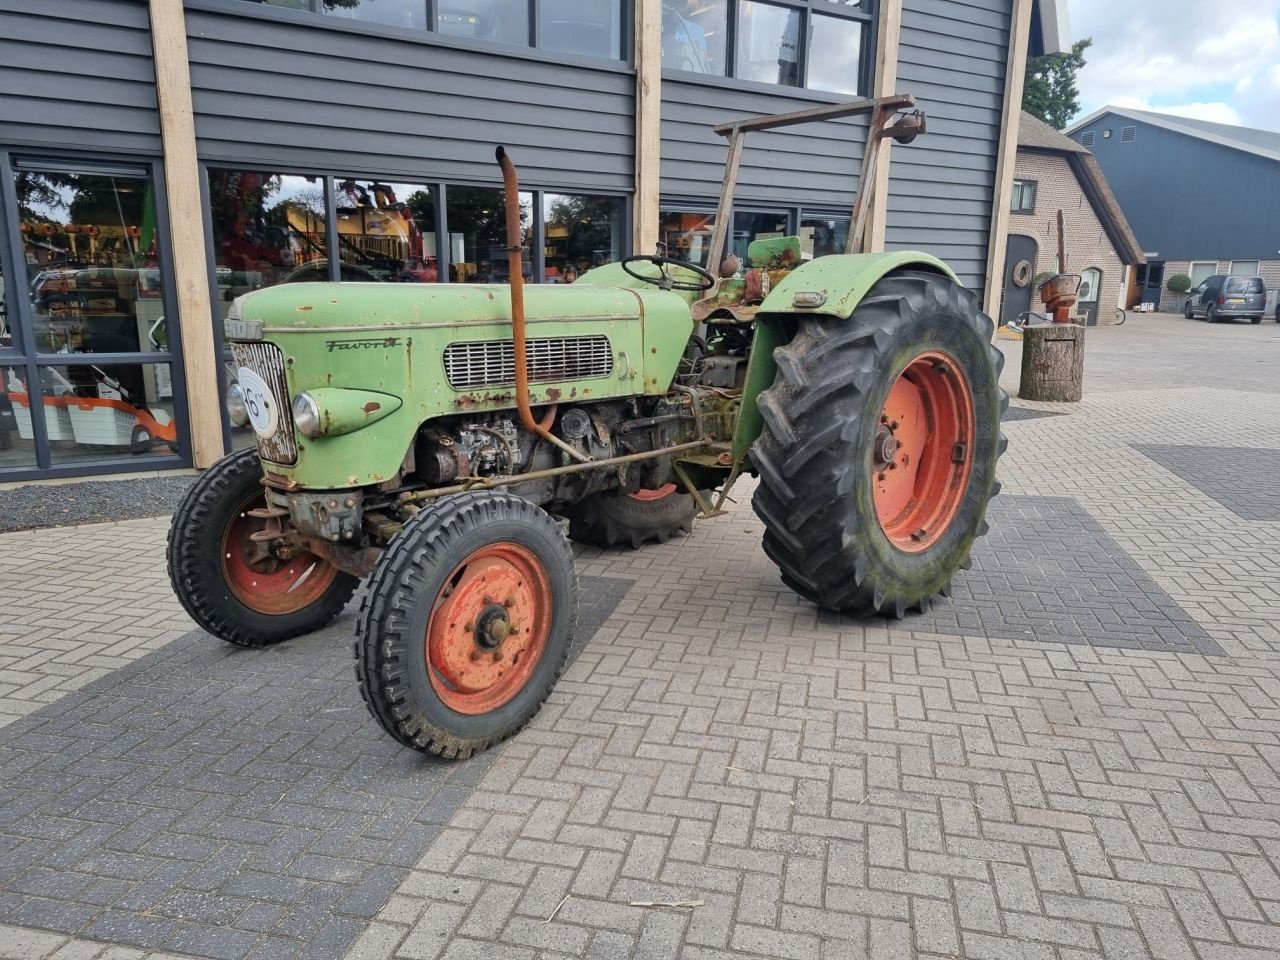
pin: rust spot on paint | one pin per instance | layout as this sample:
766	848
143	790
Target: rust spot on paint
573	393
491	295
553	394
304	307
373	406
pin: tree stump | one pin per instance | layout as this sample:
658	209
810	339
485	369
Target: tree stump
1053	363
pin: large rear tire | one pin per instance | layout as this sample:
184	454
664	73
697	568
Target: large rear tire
880	441
467	624
229	584
632	519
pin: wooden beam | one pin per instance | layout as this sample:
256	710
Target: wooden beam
648	56
186	229
889	33
1015	78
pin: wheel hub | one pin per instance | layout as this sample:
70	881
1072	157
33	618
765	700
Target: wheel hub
492	626
887	445
262	570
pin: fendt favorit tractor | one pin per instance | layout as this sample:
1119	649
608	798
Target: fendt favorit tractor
446	441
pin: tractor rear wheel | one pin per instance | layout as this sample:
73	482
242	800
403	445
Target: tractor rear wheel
467	624
230	583
878	454
631	519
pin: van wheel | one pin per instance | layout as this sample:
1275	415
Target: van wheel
1186	310
1255	319
1210	315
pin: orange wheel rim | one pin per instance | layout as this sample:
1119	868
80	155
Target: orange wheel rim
923	452
658	493
262	581
489	628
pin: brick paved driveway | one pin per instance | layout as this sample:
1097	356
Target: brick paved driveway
1077	756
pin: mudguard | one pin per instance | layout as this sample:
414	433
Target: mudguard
831	286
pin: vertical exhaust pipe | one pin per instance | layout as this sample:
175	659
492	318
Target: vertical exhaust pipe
519	339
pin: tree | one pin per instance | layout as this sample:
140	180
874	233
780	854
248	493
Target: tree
1051	92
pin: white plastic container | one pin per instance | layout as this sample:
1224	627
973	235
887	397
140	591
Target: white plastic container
101	422
56	419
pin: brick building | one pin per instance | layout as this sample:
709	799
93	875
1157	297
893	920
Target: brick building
1055	173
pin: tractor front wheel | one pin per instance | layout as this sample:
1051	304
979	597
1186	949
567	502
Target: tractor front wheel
468	623
631	519
878	455
228	580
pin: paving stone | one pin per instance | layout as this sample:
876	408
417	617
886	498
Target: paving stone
1242	479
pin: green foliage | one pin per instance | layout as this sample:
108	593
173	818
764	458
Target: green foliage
1179	283
1051	92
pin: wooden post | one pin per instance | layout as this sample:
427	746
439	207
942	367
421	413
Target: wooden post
886	85
186	229
648	54
1007	158
1053	362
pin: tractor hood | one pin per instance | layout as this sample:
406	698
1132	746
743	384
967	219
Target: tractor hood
371	307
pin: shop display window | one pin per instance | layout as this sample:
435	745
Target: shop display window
386	231
504	21
835	55
685	235
268	228
410	14
768	48
478	234
92	276
589	28
581	232
17	441
8	320
823	236
749	226
695	35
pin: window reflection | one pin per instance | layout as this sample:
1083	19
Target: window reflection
695	35
768	43
835	54
478	232
7	338
411	14
581	232
268	228
590	28
386	231
89	242
757	226
506	21
821	237
685	236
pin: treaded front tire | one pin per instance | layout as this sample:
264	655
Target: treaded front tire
630	520
432	670
825	423
219	591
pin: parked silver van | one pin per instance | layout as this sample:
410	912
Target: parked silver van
1228	298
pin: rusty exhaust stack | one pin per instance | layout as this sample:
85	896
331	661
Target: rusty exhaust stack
519	340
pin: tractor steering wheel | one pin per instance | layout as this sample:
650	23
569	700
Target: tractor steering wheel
665	280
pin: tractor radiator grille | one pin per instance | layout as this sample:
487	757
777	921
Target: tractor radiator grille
491	363
266	361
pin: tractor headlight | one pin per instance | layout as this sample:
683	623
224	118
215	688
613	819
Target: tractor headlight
306	415
236	408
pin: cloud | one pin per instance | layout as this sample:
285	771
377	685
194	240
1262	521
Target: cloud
1213	61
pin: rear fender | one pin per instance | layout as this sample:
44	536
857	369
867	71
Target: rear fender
830	286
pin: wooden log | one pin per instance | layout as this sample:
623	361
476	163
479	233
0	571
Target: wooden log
1053	363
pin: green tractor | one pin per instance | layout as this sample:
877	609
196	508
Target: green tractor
446	442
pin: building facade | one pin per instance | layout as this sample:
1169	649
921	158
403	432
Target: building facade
158	159
1054	173
1203	197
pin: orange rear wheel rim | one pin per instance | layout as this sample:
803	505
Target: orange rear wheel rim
658	493
923	452
489	628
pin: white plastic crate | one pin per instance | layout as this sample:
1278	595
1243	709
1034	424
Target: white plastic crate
101	422
56	419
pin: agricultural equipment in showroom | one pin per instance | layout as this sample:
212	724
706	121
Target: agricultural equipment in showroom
442	439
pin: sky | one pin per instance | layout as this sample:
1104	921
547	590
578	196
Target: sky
1213	60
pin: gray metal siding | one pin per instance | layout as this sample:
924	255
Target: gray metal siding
305	92
815	164
952	58
1186	198
77	74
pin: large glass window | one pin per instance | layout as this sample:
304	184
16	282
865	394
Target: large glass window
695	35
590	28
768	43
823	236
411	14
685	235
478	231
506	21
386	231
581	232
835	54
